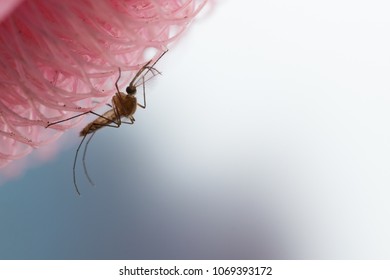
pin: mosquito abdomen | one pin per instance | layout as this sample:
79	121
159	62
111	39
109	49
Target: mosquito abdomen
102	121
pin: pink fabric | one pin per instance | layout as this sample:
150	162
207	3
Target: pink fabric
7	6
60	58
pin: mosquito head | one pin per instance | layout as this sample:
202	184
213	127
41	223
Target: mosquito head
131	89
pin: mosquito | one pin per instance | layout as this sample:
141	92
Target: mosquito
123	105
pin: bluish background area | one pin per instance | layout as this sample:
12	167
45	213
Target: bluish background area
266	137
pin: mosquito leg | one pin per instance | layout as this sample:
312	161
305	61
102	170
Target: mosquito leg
73	117
116	83
74	165
84	158
110	125
131	121
143	88
117	123
117	114
76	116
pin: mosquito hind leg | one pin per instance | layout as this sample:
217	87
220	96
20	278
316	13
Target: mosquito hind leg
74	165
68	119
84	160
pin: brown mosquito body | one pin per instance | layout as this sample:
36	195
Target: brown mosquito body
123	105
126	107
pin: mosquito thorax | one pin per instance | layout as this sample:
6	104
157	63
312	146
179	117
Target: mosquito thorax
131	90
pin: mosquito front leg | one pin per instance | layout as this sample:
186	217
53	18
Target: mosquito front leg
116	83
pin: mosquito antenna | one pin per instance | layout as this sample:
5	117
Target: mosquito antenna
146	66
143	77
152	67
84	157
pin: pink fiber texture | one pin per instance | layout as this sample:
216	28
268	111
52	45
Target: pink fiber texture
59	58
7	6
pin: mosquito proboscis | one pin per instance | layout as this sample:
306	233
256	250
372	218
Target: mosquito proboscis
123	105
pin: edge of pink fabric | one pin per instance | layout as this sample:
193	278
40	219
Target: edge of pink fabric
7	6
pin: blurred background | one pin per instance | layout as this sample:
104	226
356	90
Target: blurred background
266	137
